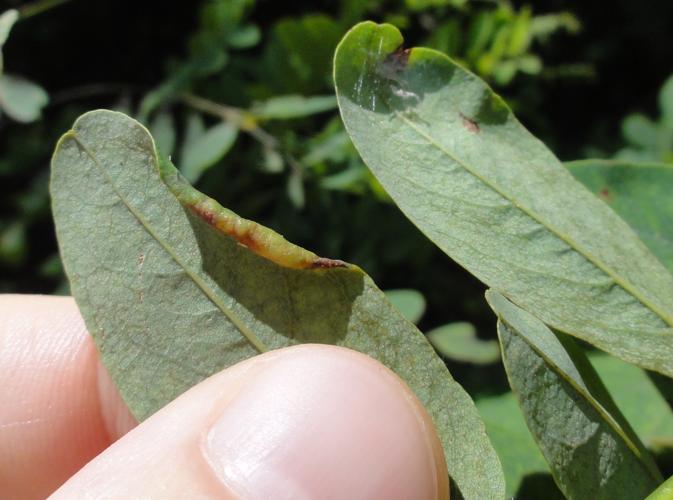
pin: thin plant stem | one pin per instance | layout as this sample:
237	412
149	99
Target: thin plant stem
237	116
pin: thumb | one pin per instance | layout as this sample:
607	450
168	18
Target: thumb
298	423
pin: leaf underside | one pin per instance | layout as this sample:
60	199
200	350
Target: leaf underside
457	162
590	447
170	300
640	193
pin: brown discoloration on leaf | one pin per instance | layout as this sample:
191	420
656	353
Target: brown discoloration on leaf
261	240
396	62
325	263
248	238
400	57
605	194
470	125
245	237
207	216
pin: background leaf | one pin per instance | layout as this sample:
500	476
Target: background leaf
640	193
202	150
410	303
526	471
666	103
293	106
663	492
295	189
459	341
7	20
592	451
638	399
163	131
169	300
21	99
461	167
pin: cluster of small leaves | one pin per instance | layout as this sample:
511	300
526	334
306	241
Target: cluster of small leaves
498	43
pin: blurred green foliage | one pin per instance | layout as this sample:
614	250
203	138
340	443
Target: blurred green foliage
647	139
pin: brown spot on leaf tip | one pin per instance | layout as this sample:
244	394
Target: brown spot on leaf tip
605	194
325	263
398	59
470	125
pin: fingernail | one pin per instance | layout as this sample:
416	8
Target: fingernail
323	422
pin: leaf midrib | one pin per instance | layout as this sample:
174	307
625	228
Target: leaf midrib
212	296
572	244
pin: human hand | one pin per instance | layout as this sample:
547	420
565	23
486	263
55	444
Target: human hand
303	422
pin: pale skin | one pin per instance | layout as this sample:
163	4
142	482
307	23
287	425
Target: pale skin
303	422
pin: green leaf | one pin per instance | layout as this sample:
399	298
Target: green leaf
590	448
446	37
663	492
333	147
426	4
542	27
530	64
410	303
520	37
639	130
459	341
194	129
350	179
21	99
666	102
295	189
7	20
526	471
480	33
489	194
244	37
170	299
272	161
297	58
637	396
13	243
293	106
163	131
640	193
504	72
200	152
